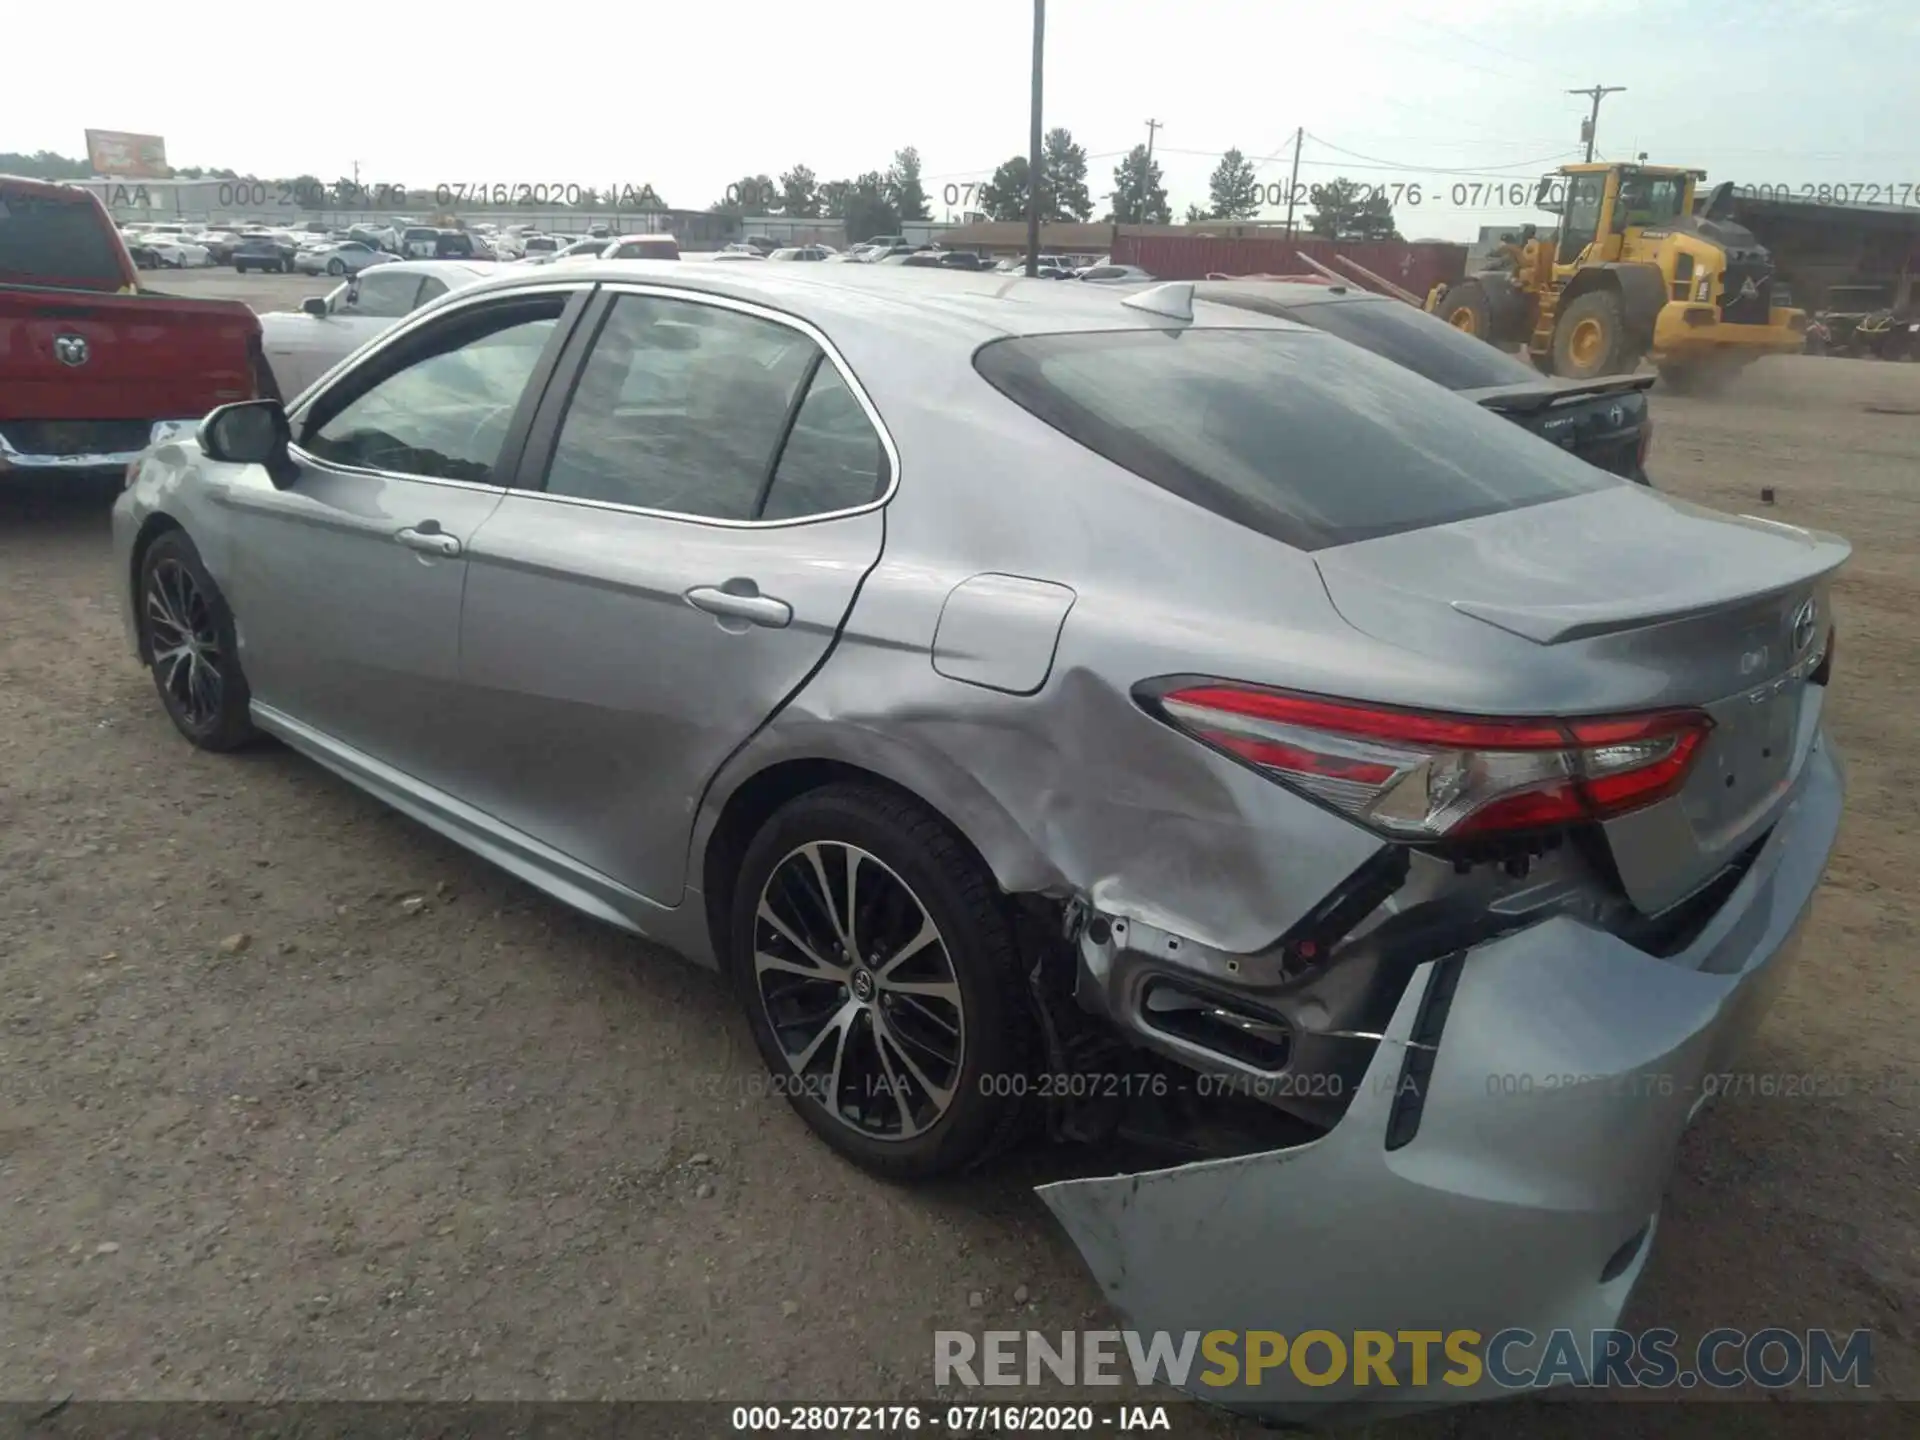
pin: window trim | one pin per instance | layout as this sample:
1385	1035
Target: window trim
547	424
513	448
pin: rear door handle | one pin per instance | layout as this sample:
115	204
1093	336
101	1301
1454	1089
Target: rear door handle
755	609
430	542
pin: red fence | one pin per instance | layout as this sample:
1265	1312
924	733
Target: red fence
1416	266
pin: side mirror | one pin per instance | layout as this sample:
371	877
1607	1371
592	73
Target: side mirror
251	432
316	306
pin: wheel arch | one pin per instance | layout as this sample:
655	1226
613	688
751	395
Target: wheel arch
728	825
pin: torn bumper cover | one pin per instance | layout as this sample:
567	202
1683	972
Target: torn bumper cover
1524	1195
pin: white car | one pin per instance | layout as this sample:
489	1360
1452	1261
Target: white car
339	257
172	252
303	345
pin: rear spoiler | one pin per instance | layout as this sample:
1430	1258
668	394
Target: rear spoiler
1530	399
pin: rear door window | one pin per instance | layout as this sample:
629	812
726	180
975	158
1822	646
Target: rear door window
681	408
1294	434
832	459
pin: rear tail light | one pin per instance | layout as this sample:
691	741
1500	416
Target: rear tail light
1419	777
1646	440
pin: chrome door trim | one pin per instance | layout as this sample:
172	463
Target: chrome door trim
336	468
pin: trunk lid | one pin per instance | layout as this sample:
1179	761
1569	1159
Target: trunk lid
71	355
1600	420
1627	600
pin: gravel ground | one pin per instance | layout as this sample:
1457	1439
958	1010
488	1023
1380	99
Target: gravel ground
270	1129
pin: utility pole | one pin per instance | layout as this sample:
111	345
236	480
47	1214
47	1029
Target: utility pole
1034	139
1596	94
1152	125
1293	184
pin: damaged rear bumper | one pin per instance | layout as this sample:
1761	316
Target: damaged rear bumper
1522	1190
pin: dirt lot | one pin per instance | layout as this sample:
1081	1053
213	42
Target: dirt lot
265	1133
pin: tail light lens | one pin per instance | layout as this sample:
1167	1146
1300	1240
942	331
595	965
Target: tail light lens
1646	440
1419	777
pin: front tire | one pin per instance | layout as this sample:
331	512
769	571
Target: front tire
876	961
1590	338
187	635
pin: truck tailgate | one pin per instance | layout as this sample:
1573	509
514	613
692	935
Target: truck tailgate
74	355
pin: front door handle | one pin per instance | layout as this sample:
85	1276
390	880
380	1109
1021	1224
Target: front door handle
430	542
755	608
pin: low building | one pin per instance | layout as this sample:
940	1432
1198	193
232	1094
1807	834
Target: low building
1817	246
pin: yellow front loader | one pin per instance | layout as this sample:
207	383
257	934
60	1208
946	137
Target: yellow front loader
1633	273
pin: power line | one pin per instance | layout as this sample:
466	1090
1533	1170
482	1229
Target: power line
1435	169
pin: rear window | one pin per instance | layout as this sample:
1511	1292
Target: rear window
1293	434
57	242
1430	348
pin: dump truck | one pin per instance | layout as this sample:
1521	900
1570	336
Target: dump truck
1636	270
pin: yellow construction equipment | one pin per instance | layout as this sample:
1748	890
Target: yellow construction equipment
1635	272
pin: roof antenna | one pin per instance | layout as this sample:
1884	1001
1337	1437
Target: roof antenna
1173	300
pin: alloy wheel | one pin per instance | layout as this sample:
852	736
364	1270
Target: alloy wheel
859	990
184	643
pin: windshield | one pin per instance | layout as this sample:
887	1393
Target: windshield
1296	435
57	242
1649	199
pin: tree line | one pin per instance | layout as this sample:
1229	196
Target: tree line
878	202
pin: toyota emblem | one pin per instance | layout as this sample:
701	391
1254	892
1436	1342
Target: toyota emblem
1616	415
1803	623
70	349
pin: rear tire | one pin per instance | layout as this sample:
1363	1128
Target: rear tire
187	634
1465	308
908	1082
336	267
1590	338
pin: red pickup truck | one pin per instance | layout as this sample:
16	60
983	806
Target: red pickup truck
93	368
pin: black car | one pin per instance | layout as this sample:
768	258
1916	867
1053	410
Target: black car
1603	421
261	252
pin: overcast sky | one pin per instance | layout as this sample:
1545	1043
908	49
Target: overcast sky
689	97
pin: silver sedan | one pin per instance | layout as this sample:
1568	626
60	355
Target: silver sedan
1055	698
